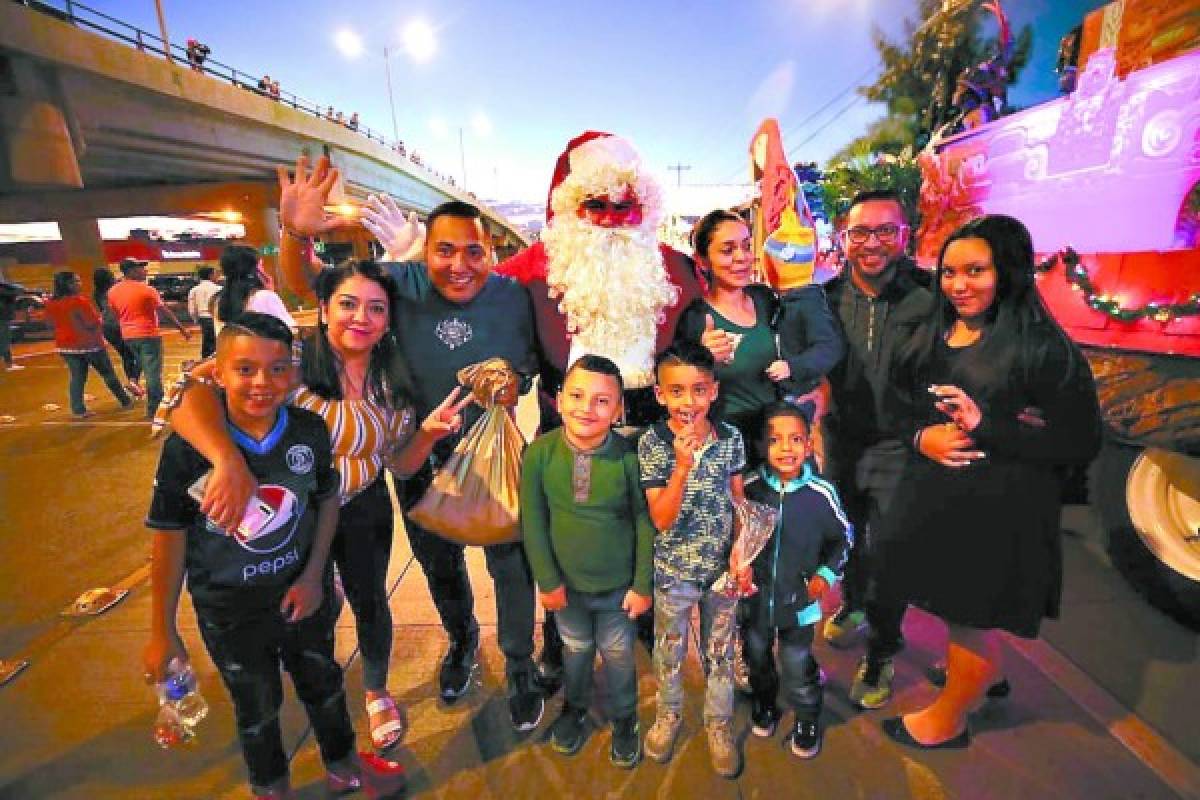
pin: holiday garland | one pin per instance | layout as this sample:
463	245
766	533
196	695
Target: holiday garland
1077	276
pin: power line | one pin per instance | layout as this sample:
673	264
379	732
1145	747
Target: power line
857	99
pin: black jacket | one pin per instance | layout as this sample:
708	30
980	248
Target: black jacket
813	536
869	328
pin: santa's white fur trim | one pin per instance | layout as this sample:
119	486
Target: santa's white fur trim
608	166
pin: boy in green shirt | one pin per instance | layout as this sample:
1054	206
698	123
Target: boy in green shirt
590	544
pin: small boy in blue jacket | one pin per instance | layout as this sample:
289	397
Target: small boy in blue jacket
797	567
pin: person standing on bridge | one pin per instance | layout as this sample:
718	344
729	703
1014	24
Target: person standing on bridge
137	306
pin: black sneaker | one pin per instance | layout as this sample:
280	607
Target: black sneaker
764	717
525	701
805	738
549	675
569	731
626	749
457	668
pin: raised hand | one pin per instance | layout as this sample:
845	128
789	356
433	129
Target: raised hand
949	446
447	417
957	405
302	198
718	342
402	237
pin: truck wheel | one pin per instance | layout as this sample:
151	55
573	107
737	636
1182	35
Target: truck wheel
1149	502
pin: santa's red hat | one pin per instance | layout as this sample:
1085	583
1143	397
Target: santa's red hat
594	163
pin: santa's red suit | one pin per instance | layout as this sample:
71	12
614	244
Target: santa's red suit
603	286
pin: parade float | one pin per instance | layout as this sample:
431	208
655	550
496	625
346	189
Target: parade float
1107	178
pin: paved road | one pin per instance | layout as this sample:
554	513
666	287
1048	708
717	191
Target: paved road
76	723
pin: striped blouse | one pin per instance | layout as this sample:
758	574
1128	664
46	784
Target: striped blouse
362	432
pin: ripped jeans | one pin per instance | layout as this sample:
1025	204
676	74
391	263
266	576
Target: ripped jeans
673	604
248	650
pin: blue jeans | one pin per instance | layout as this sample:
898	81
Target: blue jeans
594	620
77	366
801	675
673	604
149	354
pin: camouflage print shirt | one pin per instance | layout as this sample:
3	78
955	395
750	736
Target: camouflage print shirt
696	547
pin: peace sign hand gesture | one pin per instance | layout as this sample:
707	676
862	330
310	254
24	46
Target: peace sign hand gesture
447	417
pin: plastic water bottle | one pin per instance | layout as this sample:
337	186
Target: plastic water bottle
181	706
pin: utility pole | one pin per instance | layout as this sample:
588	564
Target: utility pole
678	169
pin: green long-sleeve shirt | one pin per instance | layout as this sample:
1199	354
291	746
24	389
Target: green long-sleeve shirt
583	516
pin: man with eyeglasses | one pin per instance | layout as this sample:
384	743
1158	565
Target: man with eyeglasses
879	284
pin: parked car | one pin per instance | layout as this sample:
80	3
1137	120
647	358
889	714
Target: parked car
29	317
173	288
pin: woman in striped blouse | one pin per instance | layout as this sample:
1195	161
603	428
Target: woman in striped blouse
352	376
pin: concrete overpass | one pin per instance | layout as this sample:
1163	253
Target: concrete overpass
100	124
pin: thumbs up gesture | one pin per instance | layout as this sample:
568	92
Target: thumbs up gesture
718	342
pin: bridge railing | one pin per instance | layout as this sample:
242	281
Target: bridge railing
88	18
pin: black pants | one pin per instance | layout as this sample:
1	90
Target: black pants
802	689
248	651
208	337
361	550
866	478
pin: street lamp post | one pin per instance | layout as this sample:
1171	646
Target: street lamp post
387	68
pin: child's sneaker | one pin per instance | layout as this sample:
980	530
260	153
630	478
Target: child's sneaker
764	717
569	731
660	739
722	749
805	738
626	749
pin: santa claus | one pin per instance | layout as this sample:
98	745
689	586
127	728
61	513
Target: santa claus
600	281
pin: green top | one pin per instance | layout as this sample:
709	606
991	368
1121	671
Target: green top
745	387
584	518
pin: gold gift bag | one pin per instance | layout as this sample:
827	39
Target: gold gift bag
474	497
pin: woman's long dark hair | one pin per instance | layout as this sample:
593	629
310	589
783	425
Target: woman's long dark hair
239	265
1011	343
102	281
388	381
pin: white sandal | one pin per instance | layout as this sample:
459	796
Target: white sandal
387	735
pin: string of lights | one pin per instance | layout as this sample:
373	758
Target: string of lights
1076	274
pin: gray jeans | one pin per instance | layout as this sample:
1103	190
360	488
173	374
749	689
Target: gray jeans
673	606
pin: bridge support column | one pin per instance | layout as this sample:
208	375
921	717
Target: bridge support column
85	249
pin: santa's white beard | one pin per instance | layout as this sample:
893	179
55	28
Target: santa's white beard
612	286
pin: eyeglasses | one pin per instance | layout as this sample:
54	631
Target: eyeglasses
887	234
597	206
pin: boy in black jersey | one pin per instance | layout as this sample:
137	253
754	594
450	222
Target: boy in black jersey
261	591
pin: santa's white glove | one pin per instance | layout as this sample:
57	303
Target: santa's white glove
403	238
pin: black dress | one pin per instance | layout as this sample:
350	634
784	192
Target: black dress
979	545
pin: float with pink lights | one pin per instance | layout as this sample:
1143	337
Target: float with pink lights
1107	178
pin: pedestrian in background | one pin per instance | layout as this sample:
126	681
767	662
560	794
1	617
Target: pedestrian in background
8	298
245	290
79	339
199	302
137	306
102	281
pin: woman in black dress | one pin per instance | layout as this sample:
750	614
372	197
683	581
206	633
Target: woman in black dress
976	540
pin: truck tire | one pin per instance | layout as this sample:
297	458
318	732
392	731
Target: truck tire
1149	503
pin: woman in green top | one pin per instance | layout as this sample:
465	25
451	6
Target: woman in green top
765	346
